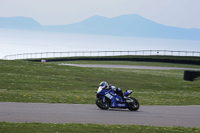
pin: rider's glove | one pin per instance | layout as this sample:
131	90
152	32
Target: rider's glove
113	87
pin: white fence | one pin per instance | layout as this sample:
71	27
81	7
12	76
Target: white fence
100	53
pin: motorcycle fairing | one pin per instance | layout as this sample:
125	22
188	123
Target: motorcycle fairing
127	92
116	102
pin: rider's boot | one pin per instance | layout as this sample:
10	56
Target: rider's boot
125	98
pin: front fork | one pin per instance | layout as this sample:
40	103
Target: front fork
104	99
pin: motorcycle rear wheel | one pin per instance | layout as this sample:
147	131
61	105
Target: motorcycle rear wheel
133	106
102	105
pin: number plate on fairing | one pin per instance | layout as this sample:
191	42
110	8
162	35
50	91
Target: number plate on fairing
109	96
121	105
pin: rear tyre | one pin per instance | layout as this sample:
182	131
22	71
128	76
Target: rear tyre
102	105
133	106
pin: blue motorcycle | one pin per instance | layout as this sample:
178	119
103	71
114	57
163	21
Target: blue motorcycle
106	99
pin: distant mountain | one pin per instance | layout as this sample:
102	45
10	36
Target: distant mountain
125	25
18	23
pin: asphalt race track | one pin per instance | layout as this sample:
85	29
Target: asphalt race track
187	116
130	67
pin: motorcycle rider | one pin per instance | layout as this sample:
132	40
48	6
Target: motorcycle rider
118	91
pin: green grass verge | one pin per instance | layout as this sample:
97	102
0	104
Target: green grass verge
88	128
23	81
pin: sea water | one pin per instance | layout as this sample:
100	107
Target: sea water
21	41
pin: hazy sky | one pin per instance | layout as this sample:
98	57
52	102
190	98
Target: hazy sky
178	13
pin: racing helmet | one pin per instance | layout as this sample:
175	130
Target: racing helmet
103	84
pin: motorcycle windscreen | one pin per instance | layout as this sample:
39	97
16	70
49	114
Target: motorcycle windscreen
99	89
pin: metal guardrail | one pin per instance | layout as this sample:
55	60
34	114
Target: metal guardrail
100	53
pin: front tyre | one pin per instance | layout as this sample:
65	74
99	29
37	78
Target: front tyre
133	106
101	104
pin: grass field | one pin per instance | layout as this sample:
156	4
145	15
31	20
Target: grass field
88	128
24	81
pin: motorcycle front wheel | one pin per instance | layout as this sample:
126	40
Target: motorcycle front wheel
101	104
133	106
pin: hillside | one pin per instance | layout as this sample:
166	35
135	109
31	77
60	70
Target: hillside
126	25
18	23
